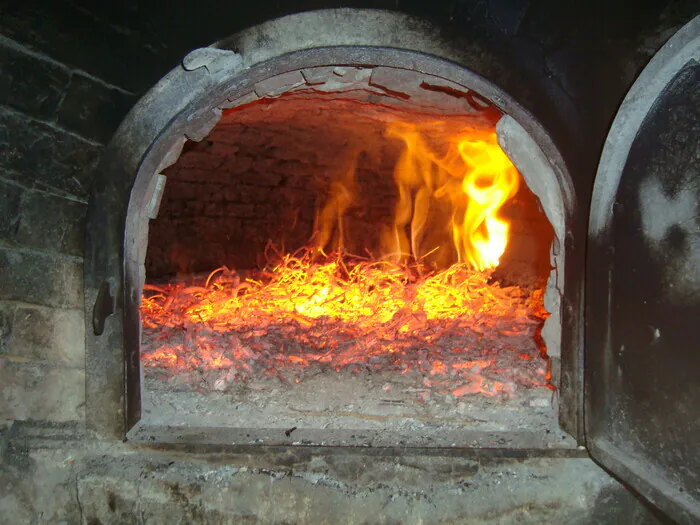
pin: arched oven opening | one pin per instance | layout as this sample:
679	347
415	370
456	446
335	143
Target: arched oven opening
344	245
356	252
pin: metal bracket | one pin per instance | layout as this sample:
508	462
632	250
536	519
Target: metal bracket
104	307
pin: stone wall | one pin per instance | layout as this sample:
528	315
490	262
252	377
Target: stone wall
54	120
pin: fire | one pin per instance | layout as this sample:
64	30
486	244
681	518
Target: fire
479	235
423	306
448	202
302	314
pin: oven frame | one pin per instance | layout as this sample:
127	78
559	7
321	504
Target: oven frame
186	104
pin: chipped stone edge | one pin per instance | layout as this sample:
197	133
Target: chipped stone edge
550	189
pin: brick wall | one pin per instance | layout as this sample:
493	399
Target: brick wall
265	170
261	175
54	120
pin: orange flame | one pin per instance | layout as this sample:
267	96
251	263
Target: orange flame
480	236
448	204
329	220
338	311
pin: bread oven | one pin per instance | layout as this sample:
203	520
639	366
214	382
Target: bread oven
364	245
350	249
338	234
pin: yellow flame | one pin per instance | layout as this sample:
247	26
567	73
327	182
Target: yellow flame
480	236
328	224
450	191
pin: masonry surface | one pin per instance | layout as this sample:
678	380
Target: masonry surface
69	72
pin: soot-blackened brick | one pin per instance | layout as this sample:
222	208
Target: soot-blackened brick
77	38
40	279
48	334
40	392
30	84
200	160
52	223
7	317
38	154
237	165
92	109
9	210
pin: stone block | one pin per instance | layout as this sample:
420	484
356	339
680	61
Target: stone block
9	210
7	319
397	82
46	334
40	392
40	279
51	480
347	78
239	101
92	109
317	75
110	499
52	223
356	489
38	154
30	84
448	97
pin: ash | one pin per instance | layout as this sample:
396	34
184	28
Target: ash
483	368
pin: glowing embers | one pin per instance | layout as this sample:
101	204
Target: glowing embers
450	189
417	314
451	331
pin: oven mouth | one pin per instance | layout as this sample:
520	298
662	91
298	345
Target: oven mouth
198	118
355	253
309	266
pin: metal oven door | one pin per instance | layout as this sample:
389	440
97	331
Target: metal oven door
642	350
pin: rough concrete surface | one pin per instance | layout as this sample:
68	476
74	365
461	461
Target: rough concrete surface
54	475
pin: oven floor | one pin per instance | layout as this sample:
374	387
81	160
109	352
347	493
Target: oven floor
344	408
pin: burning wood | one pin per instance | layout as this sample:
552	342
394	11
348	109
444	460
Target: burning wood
439	318
308	314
